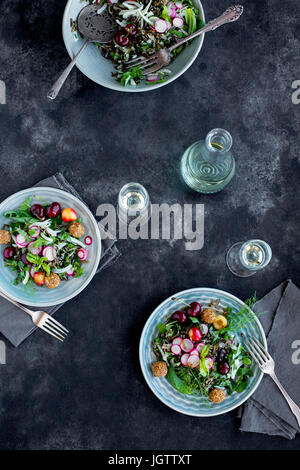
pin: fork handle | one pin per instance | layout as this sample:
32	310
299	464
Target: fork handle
52	94
295	408
16	303
231	14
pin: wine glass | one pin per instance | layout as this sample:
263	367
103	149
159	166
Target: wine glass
244	259
133	202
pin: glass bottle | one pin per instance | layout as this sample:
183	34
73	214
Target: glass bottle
208	166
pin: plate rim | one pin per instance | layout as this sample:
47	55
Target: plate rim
197	289
99	246
66	21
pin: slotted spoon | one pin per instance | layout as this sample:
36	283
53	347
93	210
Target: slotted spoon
95	24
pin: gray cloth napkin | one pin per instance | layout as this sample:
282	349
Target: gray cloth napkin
266	411
15	325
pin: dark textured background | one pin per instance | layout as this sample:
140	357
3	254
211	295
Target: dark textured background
89	392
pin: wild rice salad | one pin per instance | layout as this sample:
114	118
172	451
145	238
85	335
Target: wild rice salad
197	350
145	26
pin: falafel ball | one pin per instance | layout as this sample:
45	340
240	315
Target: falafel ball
52	281
76	229
217	395
208	315
159	369
5	237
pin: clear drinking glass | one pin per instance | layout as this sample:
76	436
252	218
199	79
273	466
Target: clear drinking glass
208	166
246	258
134	201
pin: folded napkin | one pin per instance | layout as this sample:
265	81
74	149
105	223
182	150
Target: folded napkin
266	411
16	325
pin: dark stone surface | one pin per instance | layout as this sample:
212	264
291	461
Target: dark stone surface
90	393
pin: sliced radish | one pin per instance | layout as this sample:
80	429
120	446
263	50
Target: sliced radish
178	5
32	271
171	9
175	349
193	361
177	340
194	352
112	2
209	363
200	346
160	26
184	359
63	270
70	271
49	252
169	25
204	329
187	345
82	254
36	229
34	250
21	241
152	77
177	22
88	240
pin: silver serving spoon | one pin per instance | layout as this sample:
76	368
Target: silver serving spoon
93	26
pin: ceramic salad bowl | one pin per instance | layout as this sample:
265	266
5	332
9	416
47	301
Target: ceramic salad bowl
195	404
42	296
97	68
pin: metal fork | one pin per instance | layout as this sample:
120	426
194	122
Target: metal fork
267	365
163	57
42	320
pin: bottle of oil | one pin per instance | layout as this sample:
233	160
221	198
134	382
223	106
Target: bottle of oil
208	166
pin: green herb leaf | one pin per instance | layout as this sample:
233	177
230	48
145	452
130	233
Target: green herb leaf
177	383
161	328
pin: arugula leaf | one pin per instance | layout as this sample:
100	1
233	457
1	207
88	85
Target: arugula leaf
25	205
132	74
177	383
161	328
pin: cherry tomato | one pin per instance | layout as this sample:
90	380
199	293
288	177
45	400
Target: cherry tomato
68	215
195	334
39	278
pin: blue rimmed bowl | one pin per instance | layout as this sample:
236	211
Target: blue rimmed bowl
41	296
195	405
92	64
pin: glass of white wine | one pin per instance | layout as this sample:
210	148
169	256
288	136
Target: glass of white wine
134	201
244	259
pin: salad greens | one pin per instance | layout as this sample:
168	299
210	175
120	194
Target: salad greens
145	26
41	246
202	356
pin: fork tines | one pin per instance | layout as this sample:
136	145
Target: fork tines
53	327
257	351
141	62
